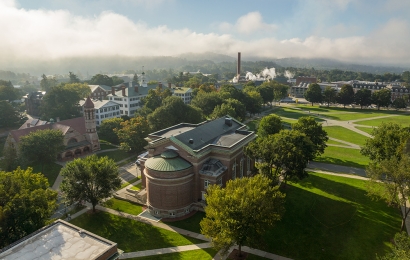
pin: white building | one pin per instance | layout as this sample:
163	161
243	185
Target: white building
104	109
184	93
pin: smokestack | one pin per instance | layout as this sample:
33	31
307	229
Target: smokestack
123	90
238	69
113	91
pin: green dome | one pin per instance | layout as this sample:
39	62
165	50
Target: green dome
168	161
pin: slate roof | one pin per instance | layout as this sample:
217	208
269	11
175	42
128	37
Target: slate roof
101	103
130	92
77	124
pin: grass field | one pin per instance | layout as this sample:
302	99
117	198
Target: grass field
330	217
402	119
51	171
131	235
123	206
293	113
334	142
105	146
191	224
365	129
200	254
344	134
343	156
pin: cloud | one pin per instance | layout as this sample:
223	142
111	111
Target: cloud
45	35
247	24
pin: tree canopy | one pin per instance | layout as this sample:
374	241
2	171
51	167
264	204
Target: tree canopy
106	130
363	97
231	212
41	146
73	78
329	95
314	131
381	98
90	179
61	101
314	93
132	133
47	83
26	204
270	124
346	95
401	248
399	103
9	93
9	116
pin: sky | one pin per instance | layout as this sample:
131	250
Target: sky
356	31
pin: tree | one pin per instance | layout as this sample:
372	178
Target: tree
222	110
230	212
399	102
41	146
329	95
390	181
363	97
47	83
9	161
266	92
116	80
135	78
346	95
8	93
90	179
62	102
100	79
389	140
106	131
207	101
314	131
253	102
401	248
152	100
382	98
132	133
270	124
73	78
26	204
9	116
279	91
82	89
240	109
314	93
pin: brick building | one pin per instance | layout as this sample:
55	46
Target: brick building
183	160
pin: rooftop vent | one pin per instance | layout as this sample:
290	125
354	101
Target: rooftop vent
228	121
191	141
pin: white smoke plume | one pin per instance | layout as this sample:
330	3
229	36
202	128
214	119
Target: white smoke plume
269	73
289	74
235	79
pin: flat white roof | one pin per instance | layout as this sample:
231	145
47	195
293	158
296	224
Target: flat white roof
60	240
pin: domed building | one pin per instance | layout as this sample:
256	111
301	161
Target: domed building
185	159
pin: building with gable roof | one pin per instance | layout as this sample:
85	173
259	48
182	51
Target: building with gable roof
104	109
183	160
80	135
99	91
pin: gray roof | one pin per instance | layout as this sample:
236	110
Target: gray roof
130	91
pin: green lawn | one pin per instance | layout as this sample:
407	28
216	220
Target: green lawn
105	146
330	217
131	235
51	171
191	223
200	254
343	156
293	113
365	129
136	187
126	183
123	206
344	134
334	142
116	155
402	119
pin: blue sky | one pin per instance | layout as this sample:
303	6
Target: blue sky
360	31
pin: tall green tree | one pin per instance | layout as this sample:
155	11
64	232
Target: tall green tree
382	98
390	181
222	110
346	95
279	91
401	248
270	124
26	204
101	79
73	78
41	146
82	89
253	102
399	103
266	92
132	133
230	212
389	140
207	101
8	93
62	102
363	97
90	179
9	116
106	131
329	95
9	162
47	83
240	109
314	93
314	131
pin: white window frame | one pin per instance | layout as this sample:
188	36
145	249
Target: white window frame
207	183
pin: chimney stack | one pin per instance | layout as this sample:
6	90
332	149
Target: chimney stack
136	88
160	85
238	68
169	84
123	90
113	91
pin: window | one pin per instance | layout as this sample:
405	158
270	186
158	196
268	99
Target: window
234	171
96	116
186	210
126	105
172	213
207	183
241	167
156	212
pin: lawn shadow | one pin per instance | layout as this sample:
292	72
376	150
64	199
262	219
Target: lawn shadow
328	219
337	161
294	114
